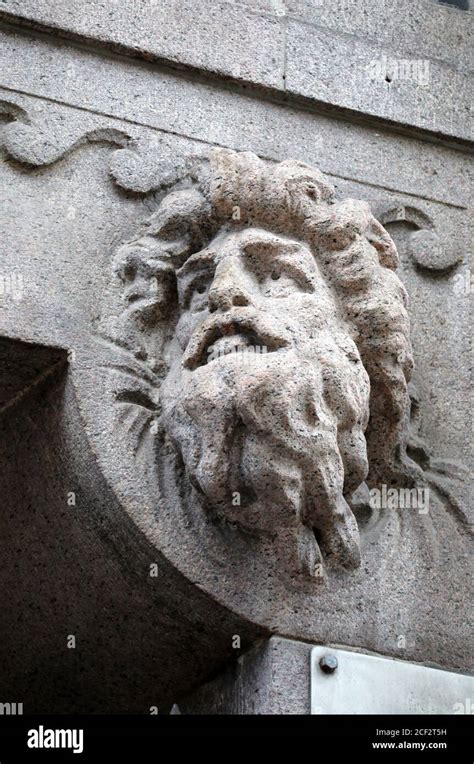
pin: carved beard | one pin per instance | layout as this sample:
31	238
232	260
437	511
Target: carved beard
273	442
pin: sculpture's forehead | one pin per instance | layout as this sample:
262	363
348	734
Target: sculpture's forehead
253	242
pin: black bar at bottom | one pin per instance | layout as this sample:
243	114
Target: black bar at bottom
99	737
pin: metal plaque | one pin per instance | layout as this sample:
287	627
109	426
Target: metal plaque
346	682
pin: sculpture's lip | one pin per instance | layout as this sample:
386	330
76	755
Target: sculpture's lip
250	329
226	344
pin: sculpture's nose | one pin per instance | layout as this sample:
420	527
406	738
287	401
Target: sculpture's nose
230	287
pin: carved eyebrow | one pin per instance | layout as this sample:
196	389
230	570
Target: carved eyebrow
202	260
296	259
194	269
190	282
298	269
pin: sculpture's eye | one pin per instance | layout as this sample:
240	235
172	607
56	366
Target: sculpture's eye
279	284
281	267
193	289
198	294
340	238
283	280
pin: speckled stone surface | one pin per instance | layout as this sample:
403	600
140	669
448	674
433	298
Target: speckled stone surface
327	53
272	678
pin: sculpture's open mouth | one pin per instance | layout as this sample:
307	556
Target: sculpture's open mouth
227	344
223	335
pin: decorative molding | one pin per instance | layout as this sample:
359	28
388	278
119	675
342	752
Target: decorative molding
424	245
233	351
138	164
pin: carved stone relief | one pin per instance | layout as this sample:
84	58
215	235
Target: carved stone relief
245	385
273	338
421	241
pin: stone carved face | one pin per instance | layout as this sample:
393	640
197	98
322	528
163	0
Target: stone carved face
266	395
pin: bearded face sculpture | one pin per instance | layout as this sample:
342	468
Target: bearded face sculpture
283	344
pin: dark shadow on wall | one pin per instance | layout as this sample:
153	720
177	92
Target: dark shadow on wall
81	631
464	5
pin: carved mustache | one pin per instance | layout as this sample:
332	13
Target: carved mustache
246	321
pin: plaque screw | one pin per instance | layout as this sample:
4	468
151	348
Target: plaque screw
328	664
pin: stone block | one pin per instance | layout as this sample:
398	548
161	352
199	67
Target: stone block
360	75
221	37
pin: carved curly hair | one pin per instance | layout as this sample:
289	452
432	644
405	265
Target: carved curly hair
355	253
